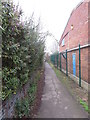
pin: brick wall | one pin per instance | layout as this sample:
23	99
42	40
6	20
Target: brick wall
80	19
89	41
89	65
79	35
84	63
89	22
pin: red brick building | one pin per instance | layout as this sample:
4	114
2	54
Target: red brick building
71	38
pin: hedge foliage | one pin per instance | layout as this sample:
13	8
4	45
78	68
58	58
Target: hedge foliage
24	106
22	49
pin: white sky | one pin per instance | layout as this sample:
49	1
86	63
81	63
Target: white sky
54	15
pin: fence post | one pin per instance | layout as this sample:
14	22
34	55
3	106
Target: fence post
60	62
53	59
66	65
57	60
79	67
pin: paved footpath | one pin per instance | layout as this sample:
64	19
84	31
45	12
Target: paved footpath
56	100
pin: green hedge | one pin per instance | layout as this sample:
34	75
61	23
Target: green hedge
22	49
23	107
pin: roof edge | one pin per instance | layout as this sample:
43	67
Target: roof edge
82	1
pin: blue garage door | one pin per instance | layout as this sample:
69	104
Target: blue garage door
74	64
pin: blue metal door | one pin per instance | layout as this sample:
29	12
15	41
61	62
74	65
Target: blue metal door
74	64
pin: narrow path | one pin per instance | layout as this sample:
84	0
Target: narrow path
56	100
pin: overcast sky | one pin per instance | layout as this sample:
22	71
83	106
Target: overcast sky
54	15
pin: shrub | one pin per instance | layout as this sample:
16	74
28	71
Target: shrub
22	108
22	48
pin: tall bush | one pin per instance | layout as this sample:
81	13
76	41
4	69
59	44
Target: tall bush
22	49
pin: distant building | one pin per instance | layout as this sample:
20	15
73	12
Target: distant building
71	38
